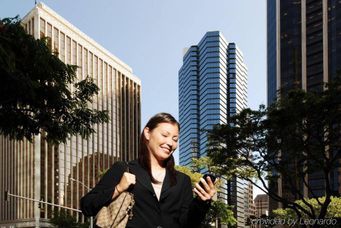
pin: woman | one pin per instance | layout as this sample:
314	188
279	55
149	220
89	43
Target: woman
163	196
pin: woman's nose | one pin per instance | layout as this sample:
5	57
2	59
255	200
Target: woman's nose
169	142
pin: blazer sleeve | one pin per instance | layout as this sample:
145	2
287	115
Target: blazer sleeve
194	210
101	194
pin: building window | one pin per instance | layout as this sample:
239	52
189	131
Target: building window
49	36
42	28
74	53
56	41
80	62
62	46
68	49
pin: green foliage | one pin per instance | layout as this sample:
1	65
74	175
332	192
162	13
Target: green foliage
299	135
39	93
231	146
222	212
333	210
62	219
218	209
205	163
195	176
284	213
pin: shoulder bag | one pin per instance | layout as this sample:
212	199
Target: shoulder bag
118	212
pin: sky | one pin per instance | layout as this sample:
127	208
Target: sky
150	36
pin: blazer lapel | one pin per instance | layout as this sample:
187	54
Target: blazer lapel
142	176
165	186
144	179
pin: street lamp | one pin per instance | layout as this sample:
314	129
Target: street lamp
88	188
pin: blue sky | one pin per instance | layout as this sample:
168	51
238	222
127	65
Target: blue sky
150	36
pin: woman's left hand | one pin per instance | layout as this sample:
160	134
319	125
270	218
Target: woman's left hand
207	191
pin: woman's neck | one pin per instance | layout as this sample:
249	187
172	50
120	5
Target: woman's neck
156	165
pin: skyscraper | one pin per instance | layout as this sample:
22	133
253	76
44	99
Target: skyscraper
303	40
62	174
304	51
212	86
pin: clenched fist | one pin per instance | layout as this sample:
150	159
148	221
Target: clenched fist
127	179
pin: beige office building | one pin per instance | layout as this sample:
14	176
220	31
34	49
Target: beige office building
61	175
262	205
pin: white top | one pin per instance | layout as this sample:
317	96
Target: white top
159	176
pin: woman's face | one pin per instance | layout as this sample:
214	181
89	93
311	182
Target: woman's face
162	140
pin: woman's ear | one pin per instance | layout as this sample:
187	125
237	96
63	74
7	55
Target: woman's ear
146	133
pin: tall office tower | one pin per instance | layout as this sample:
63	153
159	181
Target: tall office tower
212	86
304	51
62	174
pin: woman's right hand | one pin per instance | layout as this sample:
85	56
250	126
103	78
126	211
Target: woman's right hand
127	179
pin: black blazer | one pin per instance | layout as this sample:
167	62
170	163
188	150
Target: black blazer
176	208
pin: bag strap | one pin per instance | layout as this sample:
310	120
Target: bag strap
127	170
127	166
118	211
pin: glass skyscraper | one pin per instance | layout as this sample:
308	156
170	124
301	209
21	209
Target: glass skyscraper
62	174
212	86
304	51
304	44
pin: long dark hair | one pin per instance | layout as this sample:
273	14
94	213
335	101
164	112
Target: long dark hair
144	155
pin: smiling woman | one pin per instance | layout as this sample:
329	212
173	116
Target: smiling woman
163	196
163	140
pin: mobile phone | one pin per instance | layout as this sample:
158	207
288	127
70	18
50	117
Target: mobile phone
205	178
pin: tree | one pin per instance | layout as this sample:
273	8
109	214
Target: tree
298	136
39	93
333	210
218	210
